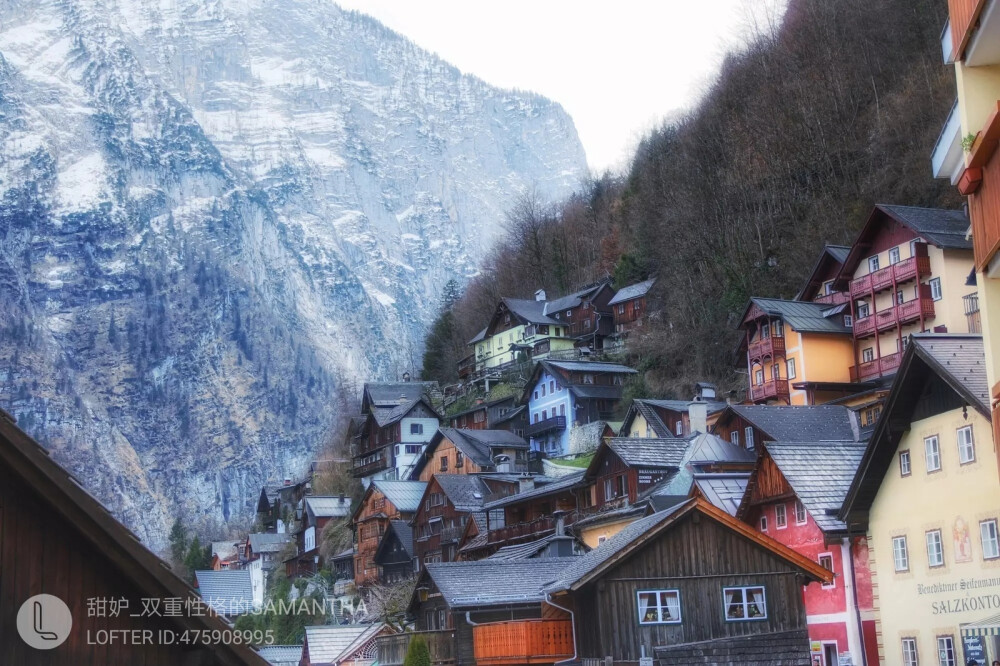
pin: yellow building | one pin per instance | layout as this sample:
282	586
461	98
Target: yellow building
926	493
519	331
797	352
966	153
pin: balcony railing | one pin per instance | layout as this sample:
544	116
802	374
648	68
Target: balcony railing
775	388
450	534
510	534
522	642
904	313
984	191
359	470
835	298
547	425
392	649
875	368
899	272
767	347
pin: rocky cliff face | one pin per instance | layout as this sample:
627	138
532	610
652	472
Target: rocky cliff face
217	218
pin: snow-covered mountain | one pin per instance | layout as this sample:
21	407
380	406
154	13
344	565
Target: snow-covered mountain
217	217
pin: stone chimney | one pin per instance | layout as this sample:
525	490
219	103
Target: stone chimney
560	517
526	483
698	415
540	295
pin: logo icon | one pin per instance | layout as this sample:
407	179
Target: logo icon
44	622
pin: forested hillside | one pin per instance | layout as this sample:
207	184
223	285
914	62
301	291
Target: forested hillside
803	131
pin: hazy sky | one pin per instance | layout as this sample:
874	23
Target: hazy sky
617	67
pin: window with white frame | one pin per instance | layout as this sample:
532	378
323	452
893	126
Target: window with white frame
734	437
659	606
863	309
790	363
900	554
848	321
910	652
779	328
826	561
745	603
900	298
758	376
966	445
946	651
894	255
991	542
800	513
748	433
679	428
867	355
763	522
932	453
904	463
935	286
780	516
828	287
775	371
873	264
935	548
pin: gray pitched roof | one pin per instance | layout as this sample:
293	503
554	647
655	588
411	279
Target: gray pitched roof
632	291
572	300
940	226
530	311
804	316
404	532
329	644
838	252
481	335
650	451
267	542
820	473
404	495
495	582
386	415
580	567
390	394
281	655
960	357
801	423
526	551
724	490
328	506
708	447
476	444
592	366
682	405
465	492
229	592
561	484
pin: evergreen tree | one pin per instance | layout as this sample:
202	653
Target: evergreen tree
450	294
198	557
178	542
417	654
438	362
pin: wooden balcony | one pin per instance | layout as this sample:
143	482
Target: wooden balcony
766	348
876	368
984	191
962	17
836	298
775	389
897	315
972	316
467	366
392	649
547	425
359	470
522	642
890	276
861	286
527	531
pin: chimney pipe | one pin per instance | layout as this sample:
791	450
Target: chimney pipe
526	483
540	295
698	415
560	517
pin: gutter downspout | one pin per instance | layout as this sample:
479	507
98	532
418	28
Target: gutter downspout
572	624
857	608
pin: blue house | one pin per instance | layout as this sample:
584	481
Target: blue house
563	393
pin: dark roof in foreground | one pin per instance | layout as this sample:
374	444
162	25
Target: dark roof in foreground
820	474
495	582
650	451
228	592
773	648
801	423
960	360
724	490
65	494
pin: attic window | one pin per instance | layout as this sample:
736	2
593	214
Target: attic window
588	378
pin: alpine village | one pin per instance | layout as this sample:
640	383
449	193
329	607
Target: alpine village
841	507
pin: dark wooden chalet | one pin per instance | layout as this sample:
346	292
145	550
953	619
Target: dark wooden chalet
821	287
383	502
626	467
316	512
454	451
647	417
500	414
56	539
588	312
490	612
384	406
749	425
689	585
629	306
396	557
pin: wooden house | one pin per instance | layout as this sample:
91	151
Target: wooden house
793	496
499	414
588	312
316	512
454	451
383	502
647	417
448	503
56	539
749	425
906	273
399	419
561	394
821	286
629	307
396	557
343	645
486	612
689	585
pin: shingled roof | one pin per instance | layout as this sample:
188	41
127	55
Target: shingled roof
573	300
464	491
794	423
331	644
328	506
267	542
802	316
942	227
229	592
495	582
563	483
404	495
650	451
529	311
632	291
724	489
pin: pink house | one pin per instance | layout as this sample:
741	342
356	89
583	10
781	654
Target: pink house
793	496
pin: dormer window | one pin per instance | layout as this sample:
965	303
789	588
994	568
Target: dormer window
588	378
